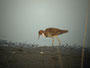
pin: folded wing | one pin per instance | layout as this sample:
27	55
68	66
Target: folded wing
55	31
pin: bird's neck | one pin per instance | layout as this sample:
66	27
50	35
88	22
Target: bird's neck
43	34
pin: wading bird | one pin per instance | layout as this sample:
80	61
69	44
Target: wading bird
52	33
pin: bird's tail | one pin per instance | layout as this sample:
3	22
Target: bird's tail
64	31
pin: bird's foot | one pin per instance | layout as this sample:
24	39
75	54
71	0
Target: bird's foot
53	46
59	44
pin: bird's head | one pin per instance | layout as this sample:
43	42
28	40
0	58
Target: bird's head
40	33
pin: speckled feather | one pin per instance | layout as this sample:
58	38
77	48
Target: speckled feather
54	31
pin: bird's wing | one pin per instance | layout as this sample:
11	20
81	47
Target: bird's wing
53	31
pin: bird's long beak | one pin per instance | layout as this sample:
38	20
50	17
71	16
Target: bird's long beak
38	37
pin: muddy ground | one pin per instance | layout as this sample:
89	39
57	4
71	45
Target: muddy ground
42	57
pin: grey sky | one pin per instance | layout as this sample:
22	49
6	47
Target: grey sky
20	20
88	28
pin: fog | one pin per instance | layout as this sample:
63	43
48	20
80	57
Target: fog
20	20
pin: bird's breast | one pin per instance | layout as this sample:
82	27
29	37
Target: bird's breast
50	35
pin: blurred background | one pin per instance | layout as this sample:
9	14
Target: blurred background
20	20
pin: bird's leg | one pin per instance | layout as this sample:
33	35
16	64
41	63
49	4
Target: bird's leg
58	40
52	41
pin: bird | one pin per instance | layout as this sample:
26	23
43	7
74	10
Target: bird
52	33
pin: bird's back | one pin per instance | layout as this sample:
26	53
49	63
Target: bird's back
55	31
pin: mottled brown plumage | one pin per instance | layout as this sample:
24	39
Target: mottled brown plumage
52	33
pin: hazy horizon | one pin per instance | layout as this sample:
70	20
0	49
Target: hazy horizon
20	20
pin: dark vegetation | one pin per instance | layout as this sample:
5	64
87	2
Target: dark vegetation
23	55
